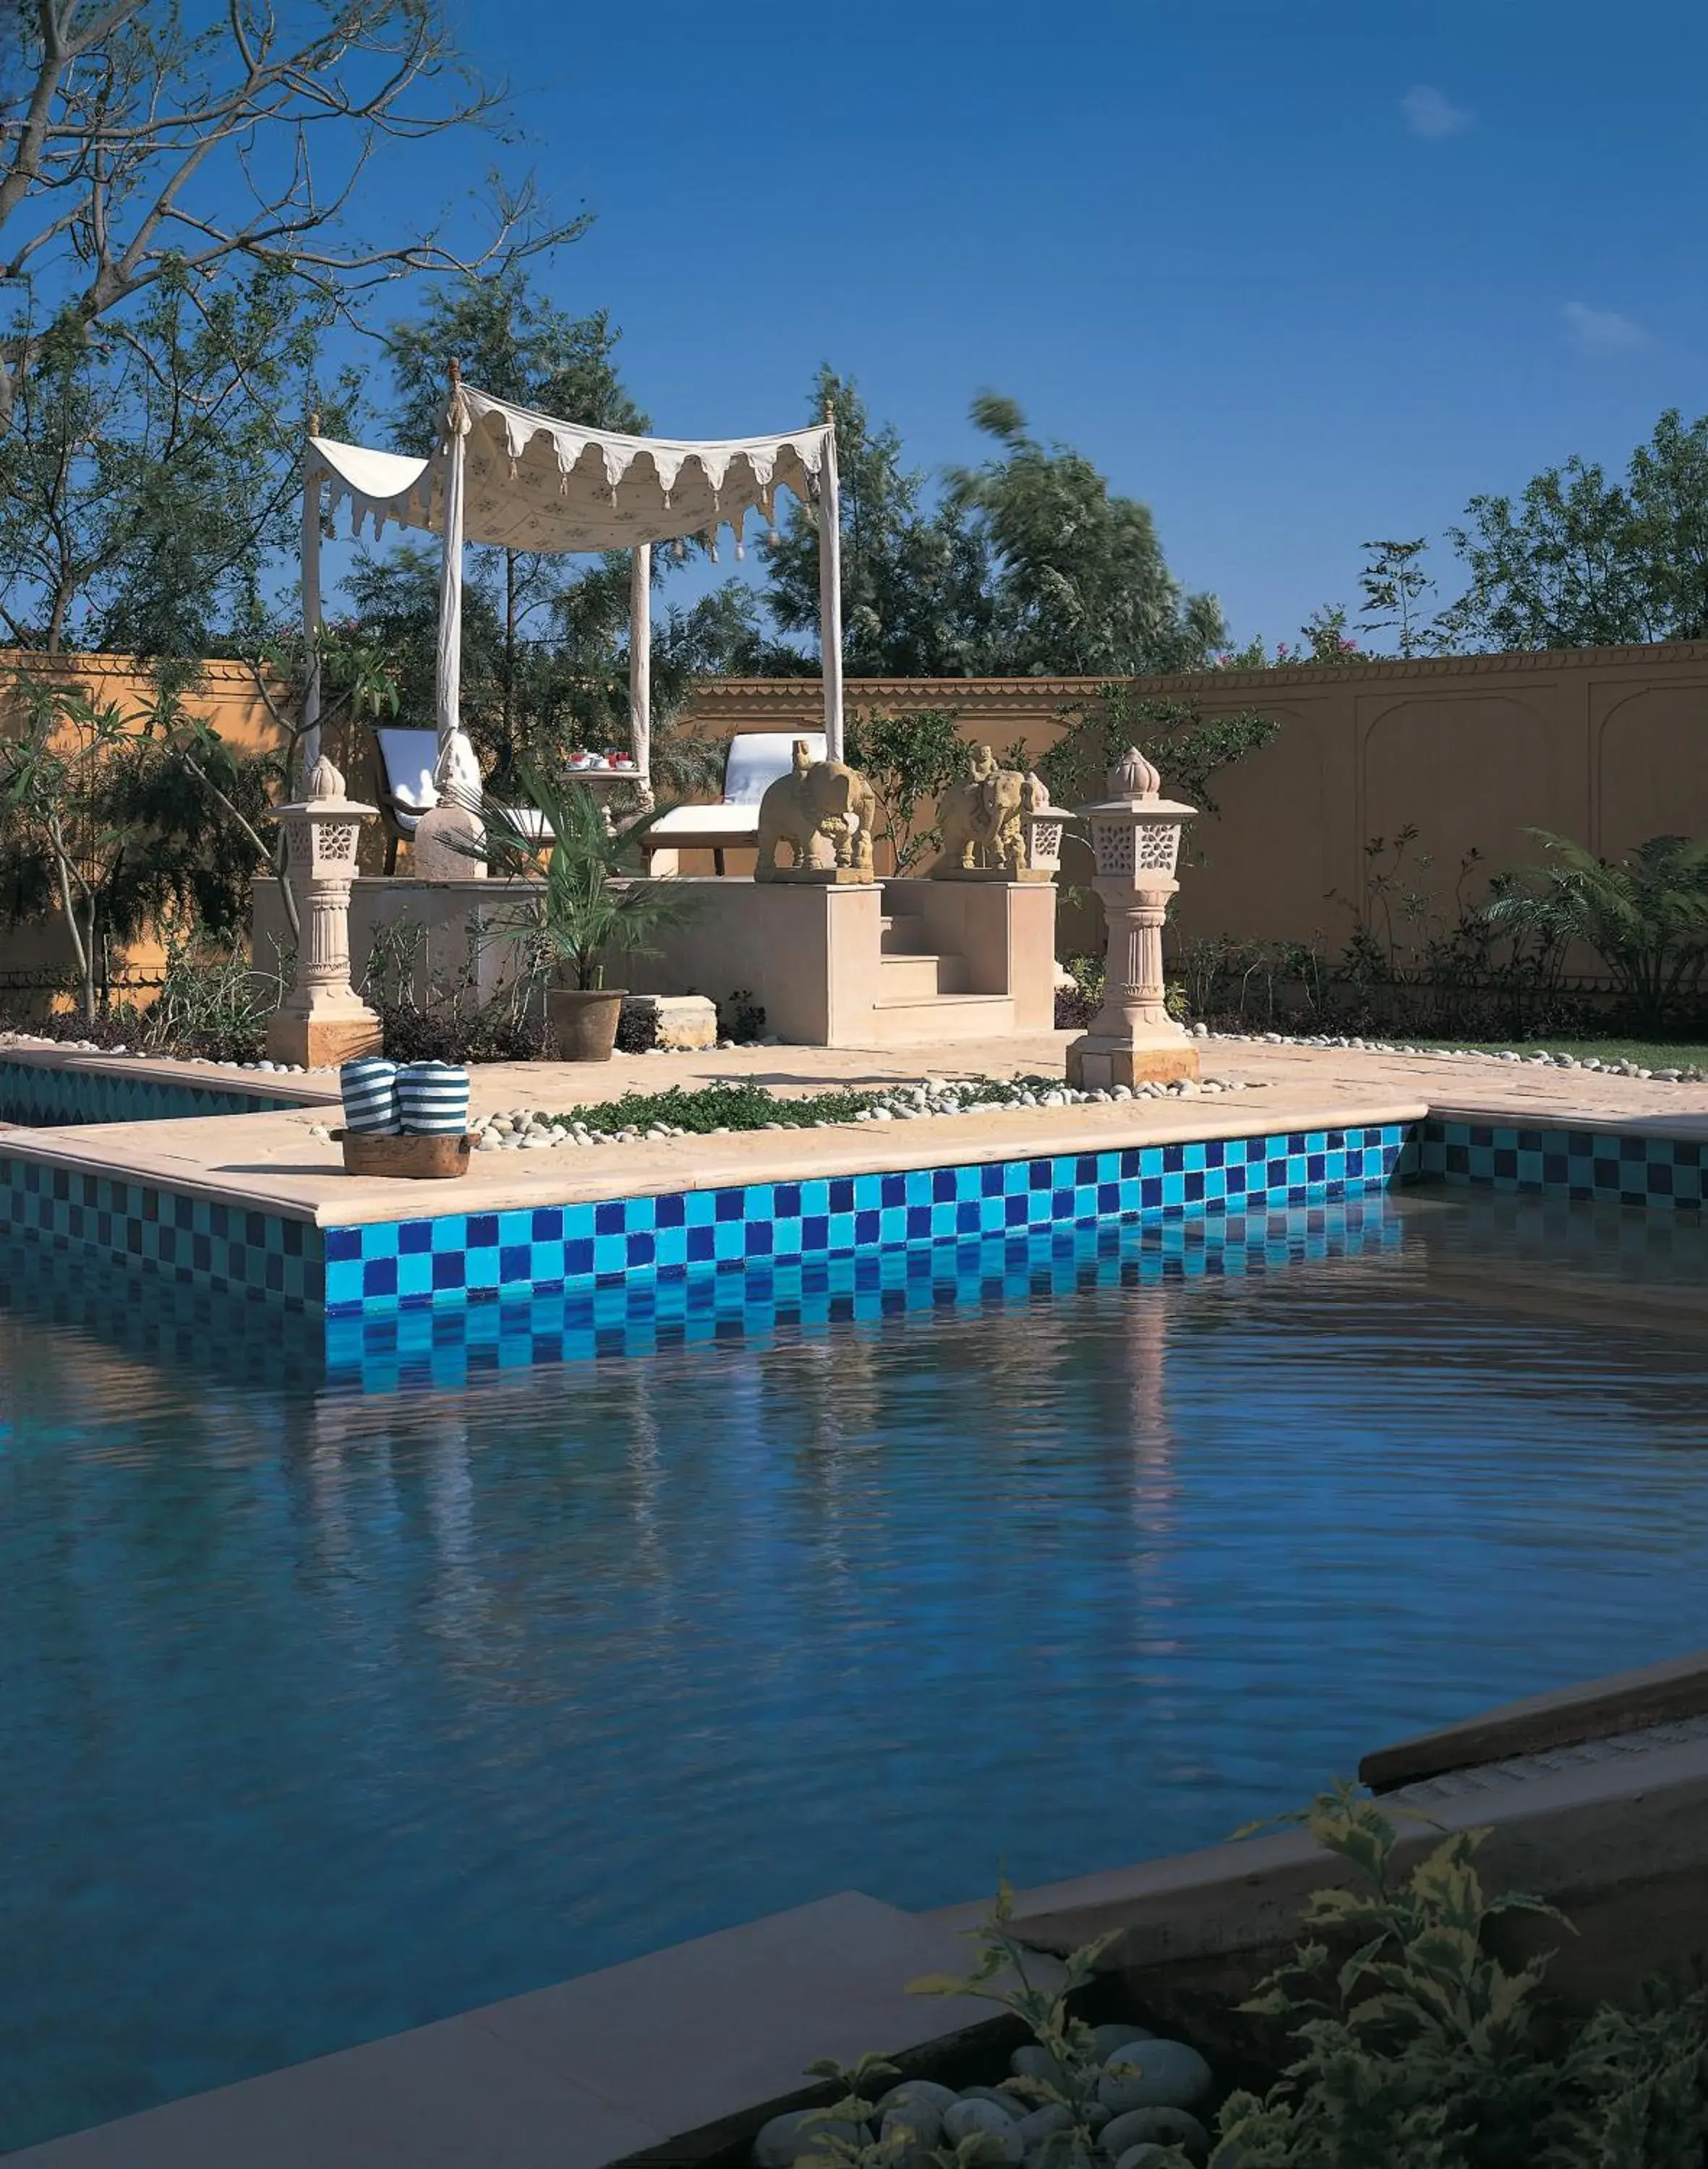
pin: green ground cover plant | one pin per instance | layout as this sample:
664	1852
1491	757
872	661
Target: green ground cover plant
1641	1053
1398	2036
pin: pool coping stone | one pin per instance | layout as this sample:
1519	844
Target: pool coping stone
665	2059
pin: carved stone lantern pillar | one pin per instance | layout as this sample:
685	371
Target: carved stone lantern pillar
1042	824
323	1021
1135	843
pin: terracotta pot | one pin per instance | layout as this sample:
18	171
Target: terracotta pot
583	1023
416	1160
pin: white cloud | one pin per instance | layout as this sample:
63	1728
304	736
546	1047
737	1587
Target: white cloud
1601	331
1432	116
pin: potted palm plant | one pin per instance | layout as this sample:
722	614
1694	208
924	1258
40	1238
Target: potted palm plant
593	907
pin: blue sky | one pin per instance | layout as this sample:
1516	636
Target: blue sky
1296	275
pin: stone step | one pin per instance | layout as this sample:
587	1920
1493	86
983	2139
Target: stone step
902	937
919	974
945	1016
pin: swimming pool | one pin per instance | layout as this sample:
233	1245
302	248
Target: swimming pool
343	1686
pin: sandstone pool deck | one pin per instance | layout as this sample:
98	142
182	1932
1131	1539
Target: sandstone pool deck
270	1162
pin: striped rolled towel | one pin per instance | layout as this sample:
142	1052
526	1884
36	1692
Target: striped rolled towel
369	1088
432	1099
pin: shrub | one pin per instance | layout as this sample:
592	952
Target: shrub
1418	2049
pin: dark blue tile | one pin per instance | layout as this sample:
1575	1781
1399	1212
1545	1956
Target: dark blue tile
701	1245
1150	1192
578	1257
919	1223
815	1232
967	1217
1040	1175
944	1186
759	1239
865	1228
1015	1211
729	1205
842	1194
380	1277
343	1243
610	1218
450	1269
892	1190
515	1262
669	1211
641	1251
414	1238
785	1202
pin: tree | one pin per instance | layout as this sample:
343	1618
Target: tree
517	346
915	577
118	821
1080	585
145	141
1562	568
149	475
1395	584
1580	561
1186	747
909	758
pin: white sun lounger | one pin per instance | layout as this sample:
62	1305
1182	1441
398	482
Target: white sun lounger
756	759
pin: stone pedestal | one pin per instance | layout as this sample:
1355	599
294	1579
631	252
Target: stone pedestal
323	1021
1135	842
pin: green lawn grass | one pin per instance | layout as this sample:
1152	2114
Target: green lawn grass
1645	1054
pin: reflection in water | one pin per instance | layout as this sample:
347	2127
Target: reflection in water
343	1686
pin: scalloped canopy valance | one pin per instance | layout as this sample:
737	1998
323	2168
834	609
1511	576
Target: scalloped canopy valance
533	484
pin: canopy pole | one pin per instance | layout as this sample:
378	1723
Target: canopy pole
448	663
640	659
831	591
309	742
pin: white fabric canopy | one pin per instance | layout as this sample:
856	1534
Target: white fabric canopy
505	476
531	483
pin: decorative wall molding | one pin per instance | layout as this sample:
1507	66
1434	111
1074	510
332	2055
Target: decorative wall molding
787	697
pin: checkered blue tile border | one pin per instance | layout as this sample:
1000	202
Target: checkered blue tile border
1624	1167
405	1264
450	1257
195	1241
45	1095
443	1348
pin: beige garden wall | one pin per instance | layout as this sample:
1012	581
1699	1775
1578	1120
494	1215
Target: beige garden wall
1606	745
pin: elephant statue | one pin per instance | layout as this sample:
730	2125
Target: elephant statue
983	821
825	812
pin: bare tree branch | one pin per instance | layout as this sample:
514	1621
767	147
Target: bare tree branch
138	146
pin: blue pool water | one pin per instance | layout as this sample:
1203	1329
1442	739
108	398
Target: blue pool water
342	1688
